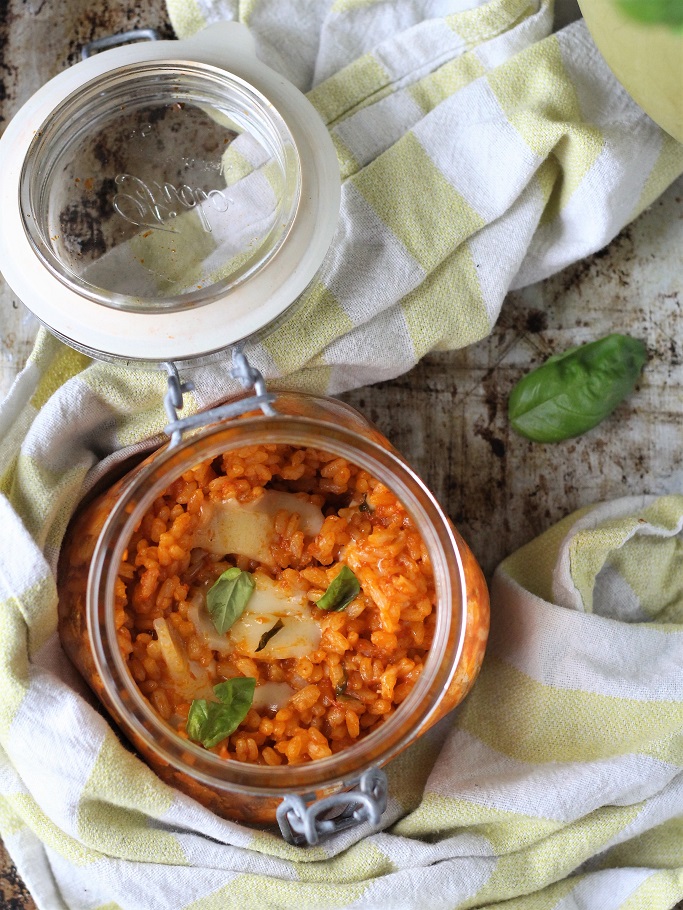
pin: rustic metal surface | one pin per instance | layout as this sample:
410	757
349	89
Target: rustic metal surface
13	892
448	415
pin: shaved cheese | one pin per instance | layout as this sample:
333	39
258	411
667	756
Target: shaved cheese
190	679
272	695
299	636
248	529
172	650
310	517
300	633
268	600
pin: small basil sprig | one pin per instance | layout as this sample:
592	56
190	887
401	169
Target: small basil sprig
655	12
572	392
341	591
228	597
265	638
208	722
340	688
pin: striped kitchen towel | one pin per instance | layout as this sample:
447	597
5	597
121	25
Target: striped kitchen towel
557	785
478	153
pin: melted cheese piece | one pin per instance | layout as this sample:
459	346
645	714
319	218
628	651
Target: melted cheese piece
172	650
272	695
299	636
189	677
247	529
300	633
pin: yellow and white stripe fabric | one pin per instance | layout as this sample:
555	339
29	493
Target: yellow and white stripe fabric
557	785
478	153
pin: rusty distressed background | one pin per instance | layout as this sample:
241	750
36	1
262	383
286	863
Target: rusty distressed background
448	415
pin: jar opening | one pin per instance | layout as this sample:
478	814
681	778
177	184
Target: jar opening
376	747
160	186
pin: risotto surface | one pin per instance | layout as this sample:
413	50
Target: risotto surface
332	675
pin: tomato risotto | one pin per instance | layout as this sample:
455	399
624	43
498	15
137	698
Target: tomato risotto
275	604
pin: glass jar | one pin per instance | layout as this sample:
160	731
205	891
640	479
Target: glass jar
94	548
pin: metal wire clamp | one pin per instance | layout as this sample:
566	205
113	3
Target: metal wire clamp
103	44
305	824
249	378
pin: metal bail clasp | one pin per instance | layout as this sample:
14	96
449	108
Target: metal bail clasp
249	378
305	824
103	44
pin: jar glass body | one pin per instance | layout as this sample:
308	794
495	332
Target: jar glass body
92	552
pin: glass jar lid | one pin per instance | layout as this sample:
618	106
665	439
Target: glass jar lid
160	184
166	200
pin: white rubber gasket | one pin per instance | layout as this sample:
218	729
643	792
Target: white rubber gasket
196	332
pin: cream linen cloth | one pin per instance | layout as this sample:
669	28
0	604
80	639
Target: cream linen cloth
477	154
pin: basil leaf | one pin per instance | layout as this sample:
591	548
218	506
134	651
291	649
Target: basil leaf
341	687
196	718
664	12
209	722
572	392
341	591
236	696
228	597
265	638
